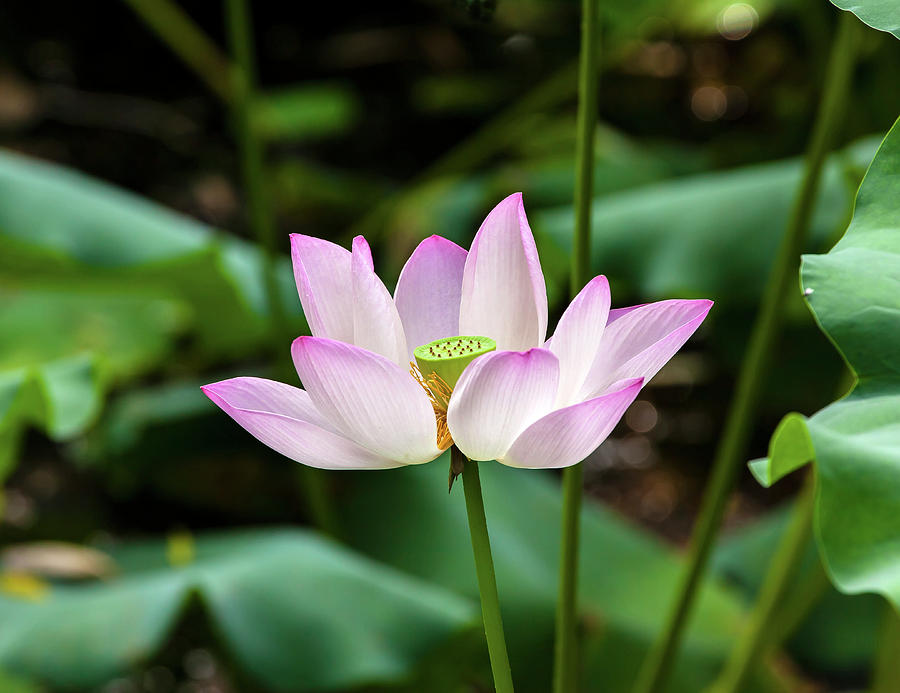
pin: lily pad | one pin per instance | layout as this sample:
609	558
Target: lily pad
854	293
297	612
878	14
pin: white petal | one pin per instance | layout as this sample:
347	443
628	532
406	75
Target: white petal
368	398
428	291
285	419
322	273
503	294
376	323
641	340
577	338
497	397
567	436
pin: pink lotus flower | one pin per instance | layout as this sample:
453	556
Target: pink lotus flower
531	403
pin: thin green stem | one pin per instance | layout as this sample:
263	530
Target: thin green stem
484	568
565	671
243	81
763	628
170	23
754	368
798	604
886	668
251	159
566	647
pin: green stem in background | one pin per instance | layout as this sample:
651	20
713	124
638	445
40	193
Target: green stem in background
251	159
763	629
251	153
754	369
886	668
798	604
565	665
484	569
170	23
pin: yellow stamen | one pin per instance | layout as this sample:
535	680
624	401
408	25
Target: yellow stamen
438	392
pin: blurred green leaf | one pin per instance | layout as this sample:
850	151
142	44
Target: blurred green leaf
463	93
710	235
854	293
305	112
57	223
297	612
15	684
627	578
43	321
63	345
878	14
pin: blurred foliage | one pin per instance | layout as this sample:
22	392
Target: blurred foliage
399	122
838	635
853	292
422	531
305	112
289	605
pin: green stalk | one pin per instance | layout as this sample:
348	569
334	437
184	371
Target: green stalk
754	369
764	627
886	671
484	569
251	153
170	23
251	160
566	648
799	602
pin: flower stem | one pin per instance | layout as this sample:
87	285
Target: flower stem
484	569
566	647
251	161
754	369
764	627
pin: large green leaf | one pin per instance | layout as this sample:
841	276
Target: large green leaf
58	223
878	14
854	292
97	283
297	612
63	345
627	577
711	235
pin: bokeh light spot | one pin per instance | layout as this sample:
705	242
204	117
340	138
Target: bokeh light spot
737	21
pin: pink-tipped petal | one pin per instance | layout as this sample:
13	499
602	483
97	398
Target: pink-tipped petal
577	338
567	436
368	398
376	323
616	313
322	273
428	291
640	341
285	419
503	293
498	396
